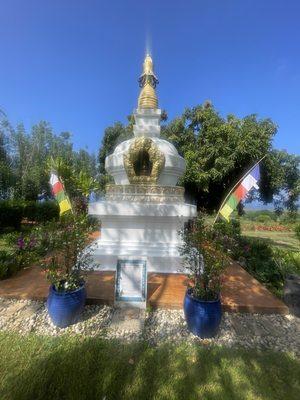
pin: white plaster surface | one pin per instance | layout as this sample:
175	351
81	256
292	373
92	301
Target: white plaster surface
123	208
141	230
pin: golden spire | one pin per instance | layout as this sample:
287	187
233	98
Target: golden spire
148	81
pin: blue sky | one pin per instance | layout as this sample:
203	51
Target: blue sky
75	63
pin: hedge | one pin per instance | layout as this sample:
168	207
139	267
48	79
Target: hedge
41	211
13	212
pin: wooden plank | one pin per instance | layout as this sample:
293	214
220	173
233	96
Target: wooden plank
240	292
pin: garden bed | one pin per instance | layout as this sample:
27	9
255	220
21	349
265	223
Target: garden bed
266	227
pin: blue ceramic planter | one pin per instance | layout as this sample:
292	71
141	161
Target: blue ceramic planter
203	317
65	307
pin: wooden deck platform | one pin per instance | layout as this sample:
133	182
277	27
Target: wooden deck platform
240	293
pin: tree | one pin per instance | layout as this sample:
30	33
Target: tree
113	135
24	158
281	181
6	171
217	150
85	162
85	183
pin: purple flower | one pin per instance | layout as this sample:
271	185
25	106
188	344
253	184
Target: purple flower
20	243
247	248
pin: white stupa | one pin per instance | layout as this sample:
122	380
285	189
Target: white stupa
143	210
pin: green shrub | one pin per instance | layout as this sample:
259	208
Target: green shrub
248	216
11	213
29	210
41	211
8	264
231	229
287	261
46	237
252	215
296	261
263	218
11	238
47	211
258	258
297	231
267	264
23	252
204	262
290	218
66	267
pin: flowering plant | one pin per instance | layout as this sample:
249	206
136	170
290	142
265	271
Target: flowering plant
25	250
203	258
71	255
21	253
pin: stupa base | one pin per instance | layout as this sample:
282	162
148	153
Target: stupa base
158	258
141	230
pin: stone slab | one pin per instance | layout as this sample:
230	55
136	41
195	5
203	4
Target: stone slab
128	319
30	310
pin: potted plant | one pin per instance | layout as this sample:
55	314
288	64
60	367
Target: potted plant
204	260
70	259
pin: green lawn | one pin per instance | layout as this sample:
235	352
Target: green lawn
283	240
33	367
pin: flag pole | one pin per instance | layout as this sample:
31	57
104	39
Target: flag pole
224	201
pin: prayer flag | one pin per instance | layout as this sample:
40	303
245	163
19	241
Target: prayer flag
59	193
240	192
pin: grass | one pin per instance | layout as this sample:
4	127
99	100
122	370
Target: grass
34	367
282	240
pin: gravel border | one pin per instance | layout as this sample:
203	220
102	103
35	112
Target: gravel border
275	332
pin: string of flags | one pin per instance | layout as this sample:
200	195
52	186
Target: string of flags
240	191
59	193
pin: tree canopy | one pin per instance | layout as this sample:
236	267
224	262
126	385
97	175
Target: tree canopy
25	161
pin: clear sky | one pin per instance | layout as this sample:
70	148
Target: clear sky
75	63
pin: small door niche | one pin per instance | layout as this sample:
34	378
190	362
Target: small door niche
143	165
131	280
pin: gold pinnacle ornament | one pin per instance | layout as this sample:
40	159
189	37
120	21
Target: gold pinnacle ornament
148	82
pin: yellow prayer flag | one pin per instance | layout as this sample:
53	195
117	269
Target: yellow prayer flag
226	211
64	206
